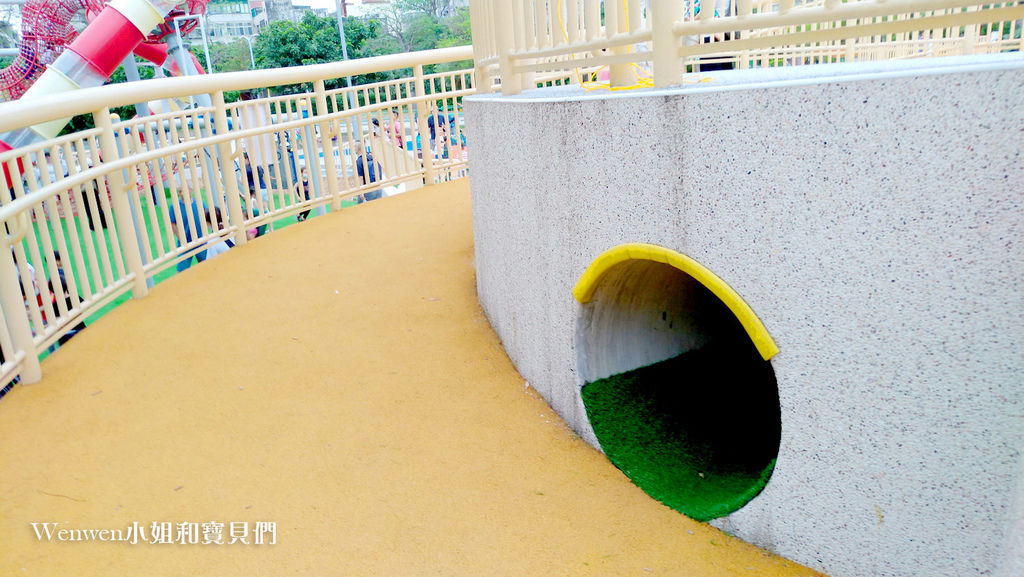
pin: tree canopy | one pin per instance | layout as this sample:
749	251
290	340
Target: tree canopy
424	24
226	57
314	40
402	26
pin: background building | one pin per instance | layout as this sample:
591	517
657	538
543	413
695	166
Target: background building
229	20
285	10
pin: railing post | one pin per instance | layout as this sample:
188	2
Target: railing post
615	24
971	34
13	303
326	138
422	111
504	35
120	205
480	28
224	155
520	38
668	66
743	9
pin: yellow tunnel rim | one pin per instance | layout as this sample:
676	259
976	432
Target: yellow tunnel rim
591	278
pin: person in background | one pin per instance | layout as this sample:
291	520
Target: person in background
69	303
396	129
253	178
256	188
91	201
302	192
435	122
187	230
368	170
217	223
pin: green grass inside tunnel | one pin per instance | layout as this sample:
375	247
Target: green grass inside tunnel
699	432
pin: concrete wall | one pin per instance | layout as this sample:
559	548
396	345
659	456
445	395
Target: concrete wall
870	214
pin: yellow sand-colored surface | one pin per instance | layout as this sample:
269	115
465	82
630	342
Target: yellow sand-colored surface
339	380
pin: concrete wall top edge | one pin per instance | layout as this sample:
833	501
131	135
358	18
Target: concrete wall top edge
782	77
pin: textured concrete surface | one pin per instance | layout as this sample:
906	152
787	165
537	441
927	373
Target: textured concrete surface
870	219
336	378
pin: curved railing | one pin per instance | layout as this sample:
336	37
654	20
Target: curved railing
94	215
516	39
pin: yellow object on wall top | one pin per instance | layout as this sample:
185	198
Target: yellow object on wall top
587	285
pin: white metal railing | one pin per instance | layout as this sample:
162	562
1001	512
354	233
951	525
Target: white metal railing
90	216
516	39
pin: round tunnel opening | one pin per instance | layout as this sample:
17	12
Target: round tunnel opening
677	393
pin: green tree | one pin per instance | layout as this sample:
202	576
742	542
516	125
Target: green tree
414	24
436	9
458	32
423	31
425	24
227	57
315	40
8	35
8	39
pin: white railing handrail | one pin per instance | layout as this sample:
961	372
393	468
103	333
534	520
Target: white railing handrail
20	113
512	36
170	186
10	210
815	14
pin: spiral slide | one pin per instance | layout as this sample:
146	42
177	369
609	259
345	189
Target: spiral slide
115	30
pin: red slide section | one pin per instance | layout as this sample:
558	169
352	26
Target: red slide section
46	31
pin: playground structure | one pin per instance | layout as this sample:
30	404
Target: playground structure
659	236
760	292
46	31
114	33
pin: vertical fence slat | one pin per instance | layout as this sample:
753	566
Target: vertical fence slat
668	66
424	130
121	208
14	311
327	140
83	264
572	20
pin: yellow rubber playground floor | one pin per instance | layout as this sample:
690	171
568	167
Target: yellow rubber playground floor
332	400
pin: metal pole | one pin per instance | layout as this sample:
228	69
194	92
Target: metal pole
344	47
252	59
341	33
206	45
176	45
131	72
